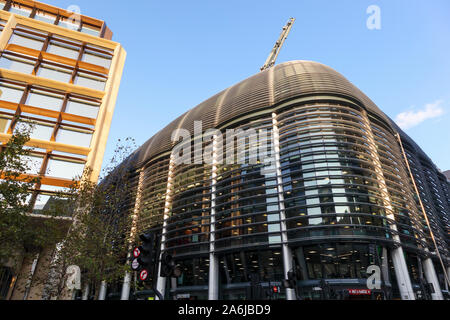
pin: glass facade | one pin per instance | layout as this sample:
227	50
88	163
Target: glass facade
334	199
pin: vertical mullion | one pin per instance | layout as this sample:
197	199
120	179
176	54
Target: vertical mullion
58	17
39	58
59	120
18	110
33	13
80	56
7	5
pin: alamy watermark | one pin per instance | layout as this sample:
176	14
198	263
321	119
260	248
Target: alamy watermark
74	21
374	20
234	146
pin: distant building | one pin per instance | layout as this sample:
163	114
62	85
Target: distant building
61	72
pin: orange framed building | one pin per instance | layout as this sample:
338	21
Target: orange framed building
61	72
63	77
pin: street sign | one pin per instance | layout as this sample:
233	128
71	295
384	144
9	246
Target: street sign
143	275
135	264
136	252
358	292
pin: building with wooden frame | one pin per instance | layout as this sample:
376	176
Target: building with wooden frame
60	71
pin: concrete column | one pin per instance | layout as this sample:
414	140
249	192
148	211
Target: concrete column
301	260
103	290
446	282
401	272
398	258
286	251
30	277
430	275
126	286
23	277
86	291
173	286
161	281
385	265
213	281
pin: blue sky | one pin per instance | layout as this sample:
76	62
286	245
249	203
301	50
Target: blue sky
182	52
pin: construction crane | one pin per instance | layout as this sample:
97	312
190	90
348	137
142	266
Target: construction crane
270	62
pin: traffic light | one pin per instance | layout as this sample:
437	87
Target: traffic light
168	266
145	257
273	291
276	289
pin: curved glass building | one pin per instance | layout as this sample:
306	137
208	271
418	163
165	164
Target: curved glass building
344	189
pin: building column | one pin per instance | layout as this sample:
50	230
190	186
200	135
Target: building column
41	274
103	289
161	281
447	287
401	272
23	281
213	288
430	275
302	262
125	295
286	251
385	266
398	258
86	291
446	283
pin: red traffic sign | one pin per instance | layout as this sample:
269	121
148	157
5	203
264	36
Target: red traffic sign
143	275
136	252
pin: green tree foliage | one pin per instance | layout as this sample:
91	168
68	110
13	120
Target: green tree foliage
15	228
97	241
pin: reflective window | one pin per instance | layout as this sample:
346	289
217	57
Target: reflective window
8	61
41	201
194	272
49	203
238	267
5	121
10	92
34	163
55	188
2	4
20	9
64	169
97	58
43	99
90	30
68	23
63	49
334	261
90	81
45	16
78	138
42	131
53	72
82	108
27	40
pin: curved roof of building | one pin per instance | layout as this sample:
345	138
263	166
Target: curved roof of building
284	81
